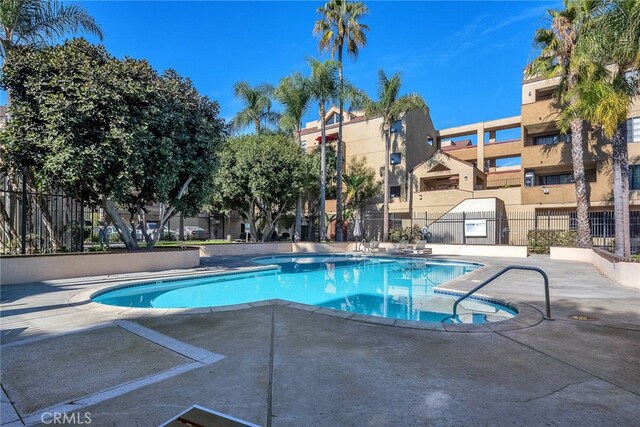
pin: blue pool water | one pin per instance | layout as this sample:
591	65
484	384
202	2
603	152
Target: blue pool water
399	288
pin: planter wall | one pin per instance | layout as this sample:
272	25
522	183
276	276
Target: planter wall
38	268
622	272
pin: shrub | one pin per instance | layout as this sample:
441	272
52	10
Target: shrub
539	241
410	234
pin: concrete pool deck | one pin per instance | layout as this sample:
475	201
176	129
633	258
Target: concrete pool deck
275	364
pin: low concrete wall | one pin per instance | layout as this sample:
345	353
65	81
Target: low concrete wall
304	247
230	249
623	273
471	250
38	268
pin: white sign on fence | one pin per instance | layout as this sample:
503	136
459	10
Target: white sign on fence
475	227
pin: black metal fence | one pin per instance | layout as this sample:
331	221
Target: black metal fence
502	228
44	222
41	222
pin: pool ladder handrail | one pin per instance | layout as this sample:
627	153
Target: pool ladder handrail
500	273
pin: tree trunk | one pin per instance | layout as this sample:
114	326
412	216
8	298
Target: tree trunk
621	191
582	197
323	173
127	238
297	233
385	208
339	236
257	125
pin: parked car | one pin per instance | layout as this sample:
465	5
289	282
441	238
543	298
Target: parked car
192	232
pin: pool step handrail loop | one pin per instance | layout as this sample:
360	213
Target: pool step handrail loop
500	273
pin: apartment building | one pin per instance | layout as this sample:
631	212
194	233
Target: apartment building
413	140
521	164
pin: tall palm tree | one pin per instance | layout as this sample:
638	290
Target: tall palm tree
557	58
339	26
39	22
294	94
324	85
390	106
257	106
604	96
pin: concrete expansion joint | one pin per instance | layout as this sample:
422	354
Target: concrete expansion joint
270	415
10	414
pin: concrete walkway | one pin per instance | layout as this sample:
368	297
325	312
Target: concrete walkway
275	364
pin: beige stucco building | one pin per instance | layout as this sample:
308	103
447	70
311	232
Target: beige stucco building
435	170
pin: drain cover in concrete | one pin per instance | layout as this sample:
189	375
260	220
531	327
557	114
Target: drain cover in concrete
200	416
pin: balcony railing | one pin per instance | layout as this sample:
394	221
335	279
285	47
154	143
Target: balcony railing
504	183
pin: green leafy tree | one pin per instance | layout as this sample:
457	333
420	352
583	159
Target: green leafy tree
390	106
261	177
294	94
257	106
36	23
360	185
340	26
324	85
557	58
111	132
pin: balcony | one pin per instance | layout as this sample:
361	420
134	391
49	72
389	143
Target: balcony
504	183
536	156
539	112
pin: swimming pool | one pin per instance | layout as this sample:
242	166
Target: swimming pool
398	288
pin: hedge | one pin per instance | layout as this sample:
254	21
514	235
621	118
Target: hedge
539	241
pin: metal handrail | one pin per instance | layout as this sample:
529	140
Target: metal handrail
500	273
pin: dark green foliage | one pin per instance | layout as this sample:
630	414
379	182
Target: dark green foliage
261	173
410	234
539	241
110	131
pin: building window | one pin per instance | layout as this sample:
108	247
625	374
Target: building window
394	191
551	139
395	159
633	130
565	178
396	126
303	145
335	118
634	177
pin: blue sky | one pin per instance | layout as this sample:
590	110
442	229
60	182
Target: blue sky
464	58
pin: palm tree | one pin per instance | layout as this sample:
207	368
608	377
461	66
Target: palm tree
339	26
604	96
557	57
324	86
293	93
390	106
257	106
39	22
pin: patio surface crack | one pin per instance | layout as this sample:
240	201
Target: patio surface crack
554	391
568	364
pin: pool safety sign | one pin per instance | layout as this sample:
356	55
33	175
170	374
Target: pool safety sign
475	227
